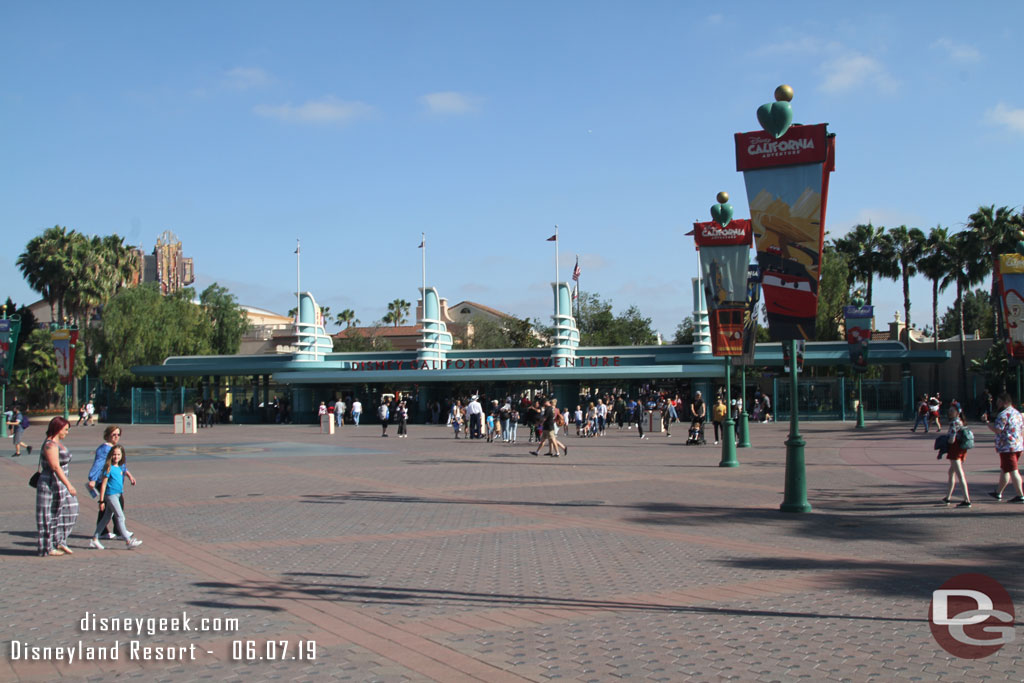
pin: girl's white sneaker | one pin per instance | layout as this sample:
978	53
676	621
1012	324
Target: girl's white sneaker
134	543
95	544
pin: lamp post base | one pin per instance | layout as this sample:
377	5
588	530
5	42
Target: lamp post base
729	444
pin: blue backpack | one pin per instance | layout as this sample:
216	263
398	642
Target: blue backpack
24	421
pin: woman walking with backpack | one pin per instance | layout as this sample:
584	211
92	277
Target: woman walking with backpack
960	439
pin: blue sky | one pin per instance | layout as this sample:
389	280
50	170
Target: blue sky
355	126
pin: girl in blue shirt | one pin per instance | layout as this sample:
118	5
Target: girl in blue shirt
111	488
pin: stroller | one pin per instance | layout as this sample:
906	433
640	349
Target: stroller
695	437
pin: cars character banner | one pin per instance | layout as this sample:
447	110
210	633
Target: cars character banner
786	171
64	342
1011	288
724	257
858	333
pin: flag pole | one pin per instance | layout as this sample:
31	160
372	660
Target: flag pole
556	258
423	292
578	290
298	287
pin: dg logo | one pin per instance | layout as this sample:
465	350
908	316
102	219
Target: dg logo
971	616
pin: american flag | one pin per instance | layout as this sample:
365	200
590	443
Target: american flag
576	270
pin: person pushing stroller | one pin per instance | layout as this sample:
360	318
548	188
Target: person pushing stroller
698	412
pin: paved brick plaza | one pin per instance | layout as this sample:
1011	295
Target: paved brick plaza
432	559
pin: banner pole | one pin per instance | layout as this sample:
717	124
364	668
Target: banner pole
729	435
795	497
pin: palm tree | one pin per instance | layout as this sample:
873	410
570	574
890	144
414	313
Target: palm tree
905	247
397	310
934	265
997	231
346	318
866	247
968	268
44	264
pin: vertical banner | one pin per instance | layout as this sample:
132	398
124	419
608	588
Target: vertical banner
750	314
787	188
724	257
64	342
1011	291
859	321
9	329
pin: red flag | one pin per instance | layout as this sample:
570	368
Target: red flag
553	238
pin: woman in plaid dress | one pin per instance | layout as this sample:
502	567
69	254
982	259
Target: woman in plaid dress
56	504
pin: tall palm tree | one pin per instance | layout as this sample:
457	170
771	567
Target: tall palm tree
934	265
397	312
867	248
997	231
968	268
905	247
45	263
346	318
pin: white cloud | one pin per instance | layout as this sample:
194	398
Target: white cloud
715	20
325	110
450	102
244	78
1002	115
957	52
853	70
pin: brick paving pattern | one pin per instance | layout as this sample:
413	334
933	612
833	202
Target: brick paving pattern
430	559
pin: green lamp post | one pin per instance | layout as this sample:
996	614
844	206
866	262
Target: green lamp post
729	431
795	496
858	334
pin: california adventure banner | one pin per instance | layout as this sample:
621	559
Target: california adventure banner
787	188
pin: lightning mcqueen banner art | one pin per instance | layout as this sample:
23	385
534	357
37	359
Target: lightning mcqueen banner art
724	257
787	188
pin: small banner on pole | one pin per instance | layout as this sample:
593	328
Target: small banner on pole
64	342
724	257
858	334
750	314
1011	292
9	330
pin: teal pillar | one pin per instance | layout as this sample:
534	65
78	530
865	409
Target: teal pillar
795	497
729	437
3	409
744	423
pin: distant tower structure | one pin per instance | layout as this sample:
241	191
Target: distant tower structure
701	324
167	265
567	335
